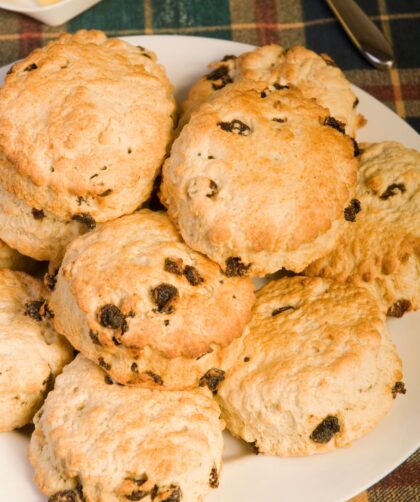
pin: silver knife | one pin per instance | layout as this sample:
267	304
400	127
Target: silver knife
363	33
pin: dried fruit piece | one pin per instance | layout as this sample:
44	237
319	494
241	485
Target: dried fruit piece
399	388
137	495
86	219
38	214
38	310
192	275
64	496
399	308
235	267
212	378
281	309
392	190
214	478
173	265
325	430
235	127
164	295
110	316
221	73
335	124
50	281
213	189
351	210
31	67
94	337
103	364
156	378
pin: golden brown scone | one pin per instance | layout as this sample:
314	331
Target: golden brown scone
382	249
259	179
34	232
96	441
85	123
317	76
314	370
31	351
132	297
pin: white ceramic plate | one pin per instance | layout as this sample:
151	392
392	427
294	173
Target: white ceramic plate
52	14
330	477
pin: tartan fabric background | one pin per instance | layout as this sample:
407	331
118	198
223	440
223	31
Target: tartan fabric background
307	22
288	22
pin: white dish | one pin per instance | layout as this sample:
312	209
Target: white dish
54	14
331	477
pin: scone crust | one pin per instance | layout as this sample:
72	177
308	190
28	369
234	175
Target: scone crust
125	265
31	351
317	76
314	349
111	442
85	123
382	249
272	195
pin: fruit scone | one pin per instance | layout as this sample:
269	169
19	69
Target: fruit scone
382	249
261	179
85	124
32	353
314	370
97	441
317	76
133	298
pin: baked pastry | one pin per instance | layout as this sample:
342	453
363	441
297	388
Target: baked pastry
260	179
317	76
85	123
132	297
382	249
98	441
314	370
13	260
35	232
31	352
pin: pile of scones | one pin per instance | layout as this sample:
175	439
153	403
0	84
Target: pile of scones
145	338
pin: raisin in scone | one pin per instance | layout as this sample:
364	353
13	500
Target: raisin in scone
382	249
97	441
261	179
85	123
314	370
317	76
132	297
31	351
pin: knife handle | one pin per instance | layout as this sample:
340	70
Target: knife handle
363	33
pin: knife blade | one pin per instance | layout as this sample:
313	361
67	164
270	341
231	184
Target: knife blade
363	33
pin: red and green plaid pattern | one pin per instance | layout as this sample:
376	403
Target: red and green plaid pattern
287	22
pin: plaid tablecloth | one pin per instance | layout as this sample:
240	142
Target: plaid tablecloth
288	22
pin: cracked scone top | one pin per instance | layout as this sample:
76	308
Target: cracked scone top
31	351
382	249
132	297
317	76
97	441
314	370
85	123
260	179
